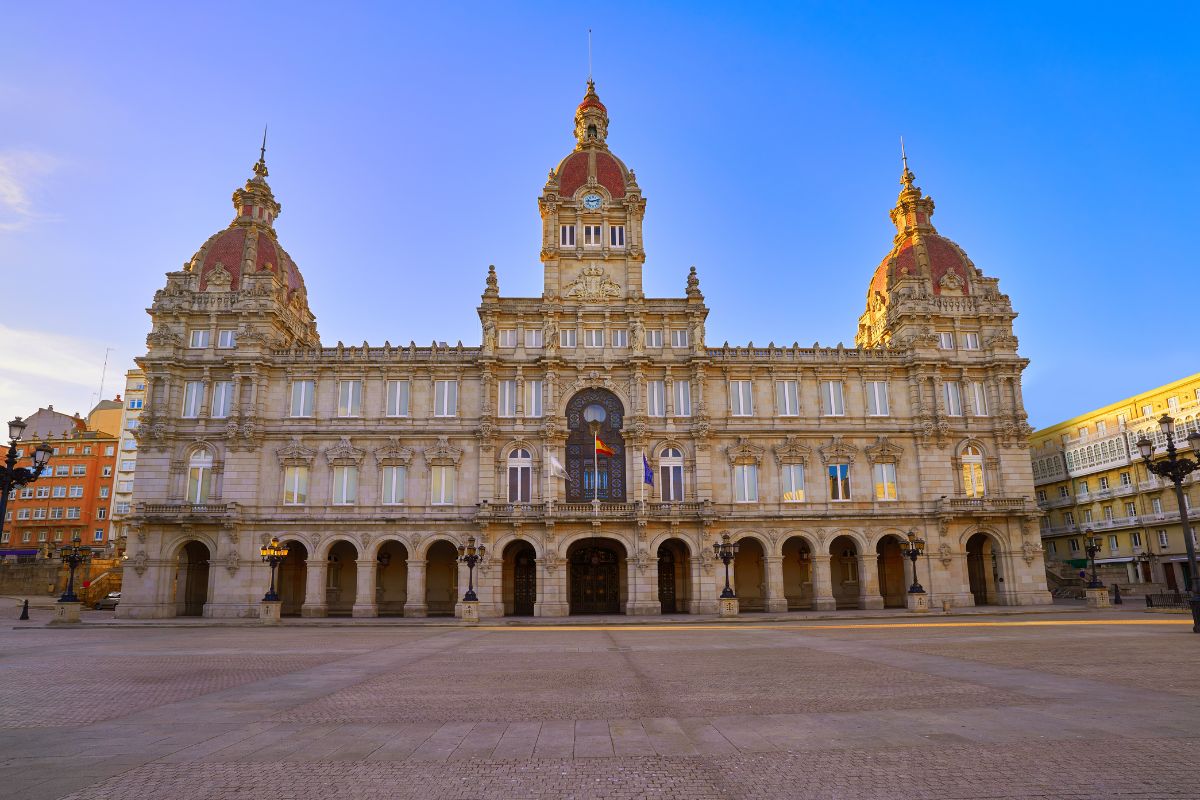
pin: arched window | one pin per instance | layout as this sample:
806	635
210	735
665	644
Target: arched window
520	476
199	477
972	470
670	470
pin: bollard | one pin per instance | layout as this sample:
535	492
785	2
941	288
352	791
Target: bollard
25	610
1117	595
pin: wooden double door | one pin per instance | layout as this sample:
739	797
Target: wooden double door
595	581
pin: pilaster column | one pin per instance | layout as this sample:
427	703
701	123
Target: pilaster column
415	605
316	571
868	582
822	578
642	581
551	587
776	599
364	588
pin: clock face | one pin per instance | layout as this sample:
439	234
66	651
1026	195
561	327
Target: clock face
592	201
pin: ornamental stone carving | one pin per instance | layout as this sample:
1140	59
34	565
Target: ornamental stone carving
592	284
790	451
744	452
442	453
883	451
837	450
393	454
343	454
295	454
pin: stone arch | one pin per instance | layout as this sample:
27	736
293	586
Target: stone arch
891	567
693	550
592	382
597	577
535	452
518	557
999	536
193	577
849	533
846	547
323	545
176	547
749	570
811	539
391	555
341	575
674	559
421	550
293	576
508	538
581	463
567	541
984	550
796	549
441	576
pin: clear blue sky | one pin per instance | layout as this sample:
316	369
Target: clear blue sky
408	145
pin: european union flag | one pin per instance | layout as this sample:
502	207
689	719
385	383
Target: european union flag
647	473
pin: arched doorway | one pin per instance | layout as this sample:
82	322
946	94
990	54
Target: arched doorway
519	579
592	475
391	579
441	579
191	580
341	579
890	563
983	571
797	574
750	576
597	576
674	577
843	566
293	577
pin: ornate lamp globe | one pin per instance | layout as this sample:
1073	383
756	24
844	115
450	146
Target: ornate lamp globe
594	414
1166	425
16	429
1145	446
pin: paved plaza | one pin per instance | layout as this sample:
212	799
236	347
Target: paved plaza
1067	705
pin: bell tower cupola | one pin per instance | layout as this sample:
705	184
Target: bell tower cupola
591	121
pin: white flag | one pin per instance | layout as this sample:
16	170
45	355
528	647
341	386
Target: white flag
556	468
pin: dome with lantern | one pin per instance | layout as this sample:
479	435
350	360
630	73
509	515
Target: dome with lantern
591	162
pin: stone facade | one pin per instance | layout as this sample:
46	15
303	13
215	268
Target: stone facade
375	462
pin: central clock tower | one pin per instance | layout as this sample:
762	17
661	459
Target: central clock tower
592	211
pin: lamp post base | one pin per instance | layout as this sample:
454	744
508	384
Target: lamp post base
729	607
1098	598
470	612
917	602
66	613
270	611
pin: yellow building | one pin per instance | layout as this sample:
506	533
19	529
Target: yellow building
1088	475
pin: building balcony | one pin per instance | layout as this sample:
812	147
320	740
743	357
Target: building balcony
1059	530
555	511
984	505
185	511
1057	502
1115	522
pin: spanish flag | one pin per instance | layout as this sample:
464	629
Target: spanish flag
601	447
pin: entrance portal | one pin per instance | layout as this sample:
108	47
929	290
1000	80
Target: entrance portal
890	563
596	567
191	581
592	475
293	578
982	571
520	579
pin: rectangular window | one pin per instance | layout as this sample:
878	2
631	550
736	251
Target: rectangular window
654	338
508	337
125	487
397	398
1101	427
945	340
520	481
593	337
345	485
302	398
60	469
620	338
130	425
1103	482
59	491
127	465
566	235
122	508
533	338
679	337
1163	539
616	235
135	403
44	491
198	338
970	341
877	399
591	235
787	398
793	483
979	399
79	469
76	491
745	483
108	451
741	398
222	399
445	398
1130	510
953	398
1083	487
1113	544
73	512
1108	512
1074	545
656	399
1083	432
834	405
839	481
56	513
349	398
1156	505
98	535
295	486
129	444
885	482
1173	405
227	339
506	398
1041	495
101	513
1148	411
1052	548
671	482
23	513
566	338
394	479
442	481
533	399
199	484
193	395
683	398
1135	538
1068	518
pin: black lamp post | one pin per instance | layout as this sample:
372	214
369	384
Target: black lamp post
1176	468
912	550
726	550
14	477
470	554
1091	546
273	552
73	555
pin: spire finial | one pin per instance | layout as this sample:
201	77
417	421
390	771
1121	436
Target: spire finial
589	55
260	169
906	177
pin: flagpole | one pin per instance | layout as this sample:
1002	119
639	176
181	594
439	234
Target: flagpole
643	491
596	466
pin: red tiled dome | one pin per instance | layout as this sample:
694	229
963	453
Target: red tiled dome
230	249
574	169
944	256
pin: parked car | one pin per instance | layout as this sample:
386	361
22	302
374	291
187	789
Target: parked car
110	600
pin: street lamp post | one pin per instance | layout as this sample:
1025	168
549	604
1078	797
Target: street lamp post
1176	468
73	555
1091	546
726	550
14	477
912	550
470	554
273	553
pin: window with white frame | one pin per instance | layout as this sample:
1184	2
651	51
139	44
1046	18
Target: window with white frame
101	513
793	483
1135	538
349	398
945	340
441	479
59	491
620	338
76	491
1103	482
1148	411
135	403
593	337
953	392
970	341
129	444
73	512
397	398
833	404
567	338
683	398
345	485
654	338
745	483
787	398
566	235
655	399
885	481
43	492
128	465
301	402
533	399
670	475
295	485
1108	512
1125	479
591	235
1173	405
533	337
103	492
1068	518
227	339
193	397
979	402
1052	547
1101	427
1130	510
508	337
506	398
445	398
972	472
839	481
1163	539
199	484
520	476
56	513
741	398
125	487
679	337
198	338
395	479
109	450
222	399
1156	505
616	235
877	399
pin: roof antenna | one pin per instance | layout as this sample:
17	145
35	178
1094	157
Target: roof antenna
589	55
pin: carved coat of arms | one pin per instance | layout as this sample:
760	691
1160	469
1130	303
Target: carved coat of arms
593	284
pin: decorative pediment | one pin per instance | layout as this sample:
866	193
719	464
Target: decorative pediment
219	279
343	453
442	454
295	454
162	336
884	452
790	451
838	451
392	454
744	453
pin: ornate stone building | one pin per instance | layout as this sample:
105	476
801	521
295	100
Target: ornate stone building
374	462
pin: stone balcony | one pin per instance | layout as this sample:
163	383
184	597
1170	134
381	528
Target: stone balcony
985	505
568	512
185	512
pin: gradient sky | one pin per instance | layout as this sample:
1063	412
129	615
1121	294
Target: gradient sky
408	145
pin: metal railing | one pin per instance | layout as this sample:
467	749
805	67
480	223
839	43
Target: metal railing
1175	599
